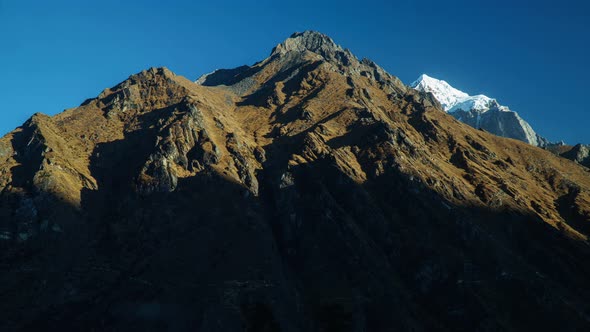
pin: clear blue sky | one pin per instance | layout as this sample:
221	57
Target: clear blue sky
530	55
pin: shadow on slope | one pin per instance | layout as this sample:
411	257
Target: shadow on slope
392	253
43	239
315	252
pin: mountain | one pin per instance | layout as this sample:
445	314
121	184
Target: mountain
311	191
479	111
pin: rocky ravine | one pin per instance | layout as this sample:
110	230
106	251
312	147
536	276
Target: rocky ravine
311	191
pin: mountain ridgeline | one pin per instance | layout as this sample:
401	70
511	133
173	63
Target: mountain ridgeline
311	191
481	112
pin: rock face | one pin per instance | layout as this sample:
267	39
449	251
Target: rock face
580	154
311	191
479	111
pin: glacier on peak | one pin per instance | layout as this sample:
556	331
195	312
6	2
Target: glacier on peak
446	95
480	103
479	111
450	98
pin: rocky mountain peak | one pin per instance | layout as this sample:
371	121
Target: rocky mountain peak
292	60
312	41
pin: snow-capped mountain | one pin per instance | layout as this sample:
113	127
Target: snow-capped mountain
446	95
479	111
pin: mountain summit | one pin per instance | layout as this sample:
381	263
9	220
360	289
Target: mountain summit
310	191
446	95
479	111
309	41
300	52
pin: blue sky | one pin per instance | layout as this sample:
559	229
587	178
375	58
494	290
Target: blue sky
530	55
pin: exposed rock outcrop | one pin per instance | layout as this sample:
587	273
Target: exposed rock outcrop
580	153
